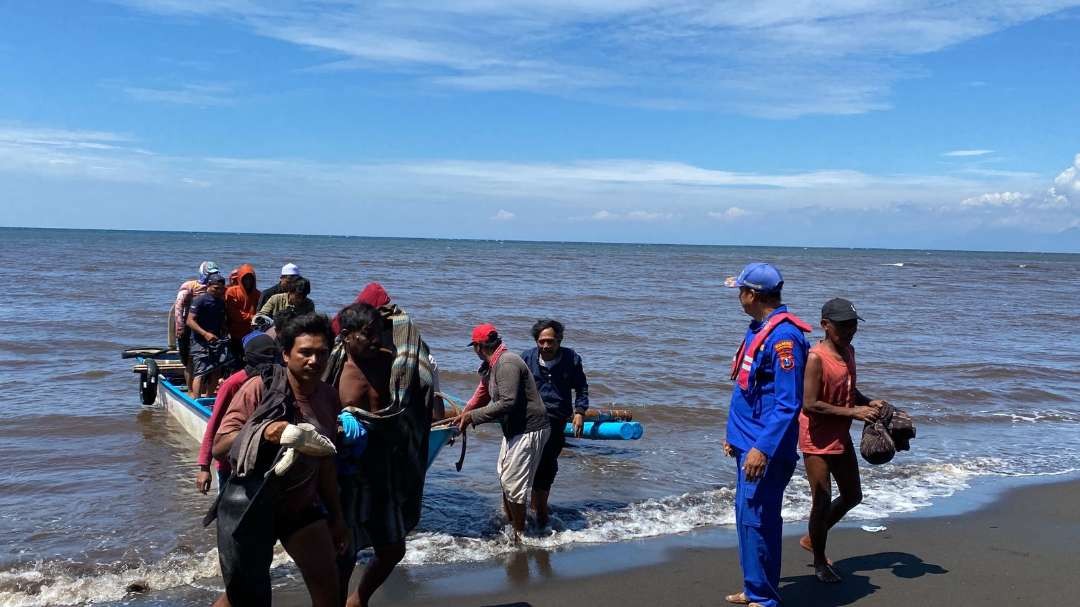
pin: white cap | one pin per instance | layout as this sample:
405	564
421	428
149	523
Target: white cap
290	269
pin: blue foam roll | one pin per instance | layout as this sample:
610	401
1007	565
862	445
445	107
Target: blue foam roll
608	430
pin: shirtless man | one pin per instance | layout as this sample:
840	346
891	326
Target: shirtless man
383	497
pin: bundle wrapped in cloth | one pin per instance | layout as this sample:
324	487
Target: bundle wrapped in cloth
892	432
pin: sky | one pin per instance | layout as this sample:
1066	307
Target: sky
855	123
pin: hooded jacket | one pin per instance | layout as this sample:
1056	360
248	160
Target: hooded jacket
373	295
241	305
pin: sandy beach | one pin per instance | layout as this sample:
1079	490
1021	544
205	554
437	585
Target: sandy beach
1019	549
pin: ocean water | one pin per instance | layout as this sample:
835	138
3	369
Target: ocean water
97	495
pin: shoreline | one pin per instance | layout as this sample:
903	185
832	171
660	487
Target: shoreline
990	544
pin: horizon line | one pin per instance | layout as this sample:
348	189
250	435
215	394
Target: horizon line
527	241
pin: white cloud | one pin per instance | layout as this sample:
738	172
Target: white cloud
729	214
633	216
616	192
967	153
1065	193
772	58
997	199
203	95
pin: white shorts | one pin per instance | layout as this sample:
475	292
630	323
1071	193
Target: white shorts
519	458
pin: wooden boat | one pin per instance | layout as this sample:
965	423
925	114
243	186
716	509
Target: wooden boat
161	383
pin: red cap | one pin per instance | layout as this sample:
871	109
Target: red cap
483	333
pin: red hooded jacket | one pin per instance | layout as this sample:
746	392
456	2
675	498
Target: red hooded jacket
241	305
373	295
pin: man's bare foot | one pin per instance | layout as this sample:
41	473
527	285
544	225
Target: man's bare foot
827	574
806	545
737	599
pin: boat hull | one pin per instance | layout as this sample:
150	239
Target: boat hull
193	415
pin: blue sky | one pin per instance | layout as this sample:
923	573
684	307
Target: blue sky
857	123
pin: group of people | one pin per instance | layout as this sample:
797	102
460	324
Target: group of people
321	432
319	429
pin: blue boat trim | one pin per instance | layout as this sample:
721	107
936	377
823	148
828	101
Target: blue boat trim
189	402
203	407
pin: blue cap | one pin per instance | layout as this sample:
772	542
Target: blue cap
760	277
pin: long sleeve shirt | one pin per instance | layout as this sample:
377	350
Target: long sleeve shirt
765	416
561	383
507	394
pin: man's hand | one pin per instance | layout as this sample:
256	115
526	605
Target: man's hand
867	414
579	425
464	420
754	464
202	480
273	431
878	403
728	449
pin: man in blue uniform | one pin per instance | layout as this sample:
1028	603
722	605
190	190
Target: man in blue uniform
763	427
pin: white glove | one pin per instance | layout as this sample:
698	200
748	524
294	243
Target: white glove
282	466
307	440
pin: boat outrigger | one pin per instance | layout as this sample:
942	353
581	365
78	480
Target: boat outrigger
161	383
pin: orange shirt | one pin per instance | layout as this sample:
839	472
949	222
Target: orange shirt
830	434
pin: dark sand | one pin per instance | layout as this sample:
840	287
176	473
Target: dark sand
1023	549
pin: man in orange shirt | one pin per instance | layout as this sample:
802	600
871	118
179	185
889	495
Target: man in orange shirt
241	305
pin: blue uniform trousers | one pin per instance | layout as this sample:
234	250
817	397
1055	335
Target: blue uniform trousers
760	527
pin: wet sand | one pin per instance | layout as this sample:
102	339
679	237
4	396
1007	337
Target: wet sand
1020	549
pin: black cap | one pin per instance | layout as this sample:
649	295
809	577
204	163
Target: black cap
839	310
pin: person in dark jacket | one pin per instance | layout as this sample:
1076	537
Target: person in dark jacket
507	394
560	379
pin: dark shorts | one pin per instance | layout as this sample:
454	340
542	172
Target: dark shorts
207	358
287	524
183	344
246	560
549	458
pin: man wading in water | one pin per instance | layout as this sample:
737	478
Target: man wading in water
558	374
292	412
831	401
505	382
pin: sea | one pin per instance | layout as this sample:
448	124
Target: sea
97	495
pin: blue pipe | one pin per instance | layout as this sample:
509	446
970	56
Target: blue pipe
608	430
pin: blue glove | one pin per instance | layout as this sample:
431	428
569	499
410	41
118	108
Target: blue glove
351	428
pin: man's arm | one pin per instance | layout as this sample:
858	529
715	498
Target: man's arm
220	407
183	298
581	387
479	398
788	366
508	379
222	444
193	324
240	408
813	404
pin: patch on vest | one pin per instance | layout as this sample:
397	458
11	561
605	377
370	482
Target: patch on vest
785	352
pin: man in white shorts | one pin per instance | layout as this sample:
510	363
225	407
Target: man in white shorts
507	394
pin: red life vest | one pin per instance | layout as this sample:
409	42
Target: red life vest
744	358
